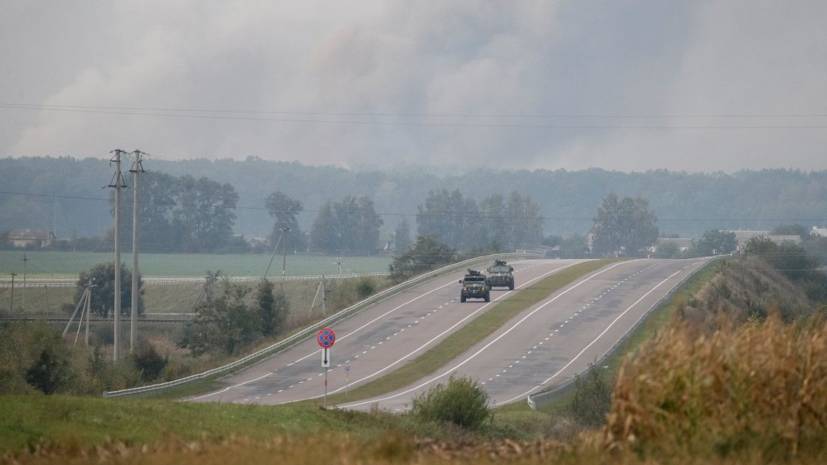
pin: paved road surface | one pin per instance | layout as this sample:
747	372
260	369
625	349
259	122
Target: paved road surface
371	343
549	343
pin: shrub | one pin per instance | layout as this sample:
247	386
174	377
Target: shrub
461	402
148	362
592	398
365	288
50	372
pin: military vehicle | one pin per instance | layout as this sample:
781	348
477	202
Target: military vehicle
474	286
500	274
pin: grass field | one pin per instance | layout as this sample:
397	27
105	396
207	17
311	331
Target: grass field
464	338
43	264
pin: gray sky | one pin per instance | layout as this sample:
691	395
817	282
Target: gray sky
628	85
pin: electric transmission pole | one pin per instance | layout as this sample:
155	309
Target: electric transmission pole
136	170
117	184
11	300
23	289
284	231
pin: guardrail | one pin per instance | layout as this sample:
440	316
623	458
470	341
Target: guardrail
309	331
541	398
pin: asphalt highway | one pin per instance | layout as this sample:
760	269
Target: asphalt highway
372	342
550	342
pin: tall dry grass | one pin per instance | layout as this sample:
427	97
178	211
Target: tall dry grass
758	387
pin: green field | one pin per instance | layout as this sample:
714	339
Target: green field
68	264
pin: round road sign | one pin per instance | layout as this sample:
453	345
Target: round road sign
326	338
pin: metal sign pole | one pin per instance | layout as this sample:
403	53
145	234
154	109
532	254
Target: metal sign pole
324	403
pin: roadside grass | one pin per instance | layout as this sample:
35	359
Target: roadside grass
464	338
28	420
658	318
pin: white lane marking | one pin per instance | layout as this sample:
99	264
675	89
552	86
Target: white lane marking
602	333
230	387
494	341
340	338
451	328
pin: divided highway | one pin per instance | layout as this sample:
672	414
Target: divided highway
550	342
371	343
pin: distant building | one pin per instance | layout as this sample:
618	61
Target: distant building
820	232
30	238
744	236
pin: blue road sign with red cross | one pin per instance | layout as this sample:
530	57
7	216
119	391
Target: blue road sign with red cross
326	338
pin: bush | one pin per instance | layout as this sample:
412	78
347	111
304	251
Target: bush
149	362
365	288
461	402
50	372
592	398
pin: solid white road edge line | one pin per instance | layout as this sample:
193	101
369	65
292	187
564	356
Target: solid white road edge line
494	341
223	390
602	333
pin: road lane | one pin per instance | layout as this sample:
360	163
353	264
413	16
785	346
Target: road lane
371	342
549	343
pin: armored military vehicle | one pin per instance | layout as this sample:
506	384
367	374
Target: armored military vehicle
500	274
474	286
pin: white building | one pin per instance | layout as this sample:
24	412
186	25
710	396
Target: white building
820	232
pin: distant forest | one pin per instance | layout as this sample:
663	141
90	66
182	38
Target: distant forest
70	194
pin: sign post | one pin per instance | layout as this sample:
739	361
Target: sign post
326	338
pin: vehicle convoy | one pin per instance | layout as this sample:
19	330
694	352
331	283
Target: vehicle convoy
500	274
474	286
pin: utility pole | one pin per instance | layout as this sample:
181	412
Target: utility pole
284	230
23	290
117	184
11	301
136	170
324	297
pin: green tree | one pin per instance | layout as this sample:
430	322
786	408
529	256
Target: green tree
402	237
205	215
51	371
792	230
273	308
102	276
350	226
668	250
623	227
157	201
426	254
223	322
285	210
715	242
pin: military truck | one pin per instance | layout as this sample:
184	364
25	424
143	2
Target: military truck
474	286
500	274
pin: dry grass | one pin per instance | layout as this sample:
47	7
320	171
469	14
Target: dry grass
757	388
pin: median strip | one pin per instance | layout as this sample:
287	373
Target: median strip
464	338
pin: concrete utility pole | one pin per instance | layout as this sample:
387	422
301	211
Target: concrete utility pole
117	184
23	290
284	230
136	170
11	301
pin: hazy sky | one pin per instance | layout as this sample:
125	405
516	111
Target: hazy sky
628	85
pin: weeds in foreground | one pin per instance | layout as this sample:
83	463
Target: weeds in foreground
758	387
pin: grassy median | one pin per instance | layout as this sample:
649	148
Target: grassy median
475	331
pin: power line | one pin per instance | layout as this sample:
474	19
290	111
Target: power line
298	118
416	114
